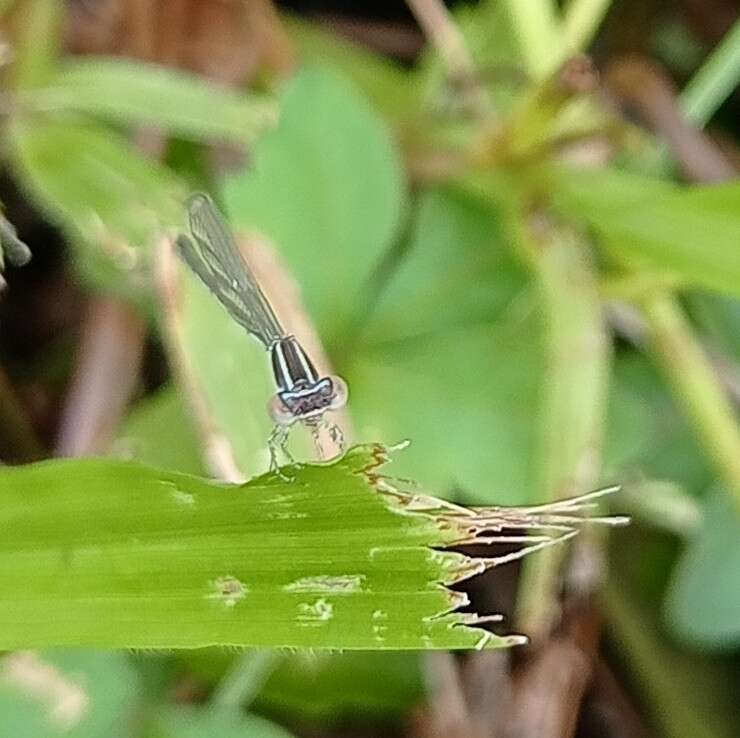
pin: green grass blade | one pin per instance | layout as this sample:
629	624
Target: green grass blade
114	554
715	81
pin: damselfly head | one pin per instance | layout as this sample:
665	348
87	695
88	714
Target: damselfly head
306	401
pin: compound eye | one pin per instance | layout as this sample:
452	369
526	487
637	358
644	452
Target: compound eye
341	393
327	389
279	413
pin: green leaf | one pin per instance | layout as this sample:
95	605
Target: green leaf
466	398
68	693
450	359
685	695
185	721
112	202
334	686
159	431
321	685
581	191
135	93
692	232
647	434
327	189
457	270
719	318
703	603
114	554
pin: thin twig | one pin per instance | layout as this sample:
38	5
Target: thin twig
442	31
647	88
440	28
447	713
244	681
105	376
18	441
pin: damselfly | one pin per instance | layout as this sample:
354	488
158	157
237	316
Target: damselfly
302	394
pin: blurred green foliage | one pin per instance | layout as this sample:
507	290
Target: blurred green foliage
433	301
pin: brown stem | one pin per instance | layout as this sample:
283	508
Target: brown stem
18	441
106	374
646	87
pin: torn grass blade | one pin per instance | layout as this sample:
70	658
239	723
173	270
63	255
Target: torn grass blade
115	554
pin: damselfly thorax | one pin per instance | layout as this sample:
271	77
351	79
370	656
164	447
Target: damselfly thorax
303	395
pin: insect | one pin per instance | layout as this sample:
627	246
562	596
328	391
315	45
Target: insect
302	394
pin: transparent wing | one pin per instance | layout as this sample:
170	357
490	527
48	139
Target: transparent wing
213	255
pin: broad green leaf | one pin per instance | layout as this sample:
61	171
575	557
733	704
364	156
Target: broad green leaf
647	434
68	693
327	189
160	431
457	271
184	721
719	318
324	686
451	361
685	694
111	201
330	687
468	400
703	604
135	93
119	555
692	232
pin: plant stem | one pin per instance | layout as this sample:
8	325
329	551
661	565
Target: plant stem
439	27
18	441
243	682
443	33
536	26
715	80
573	405
680	356
36	49
581	21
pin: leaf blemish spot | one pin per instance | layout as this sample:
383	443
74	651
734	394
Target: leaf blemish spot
286	515
343	584
316	613
228	590
184	498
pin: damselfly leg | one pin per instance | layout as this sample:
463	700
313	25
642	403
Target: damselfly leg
277	443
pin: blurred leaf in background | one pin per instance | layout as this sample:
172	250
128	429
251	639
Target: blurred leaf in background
334	216
408	217
75	693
